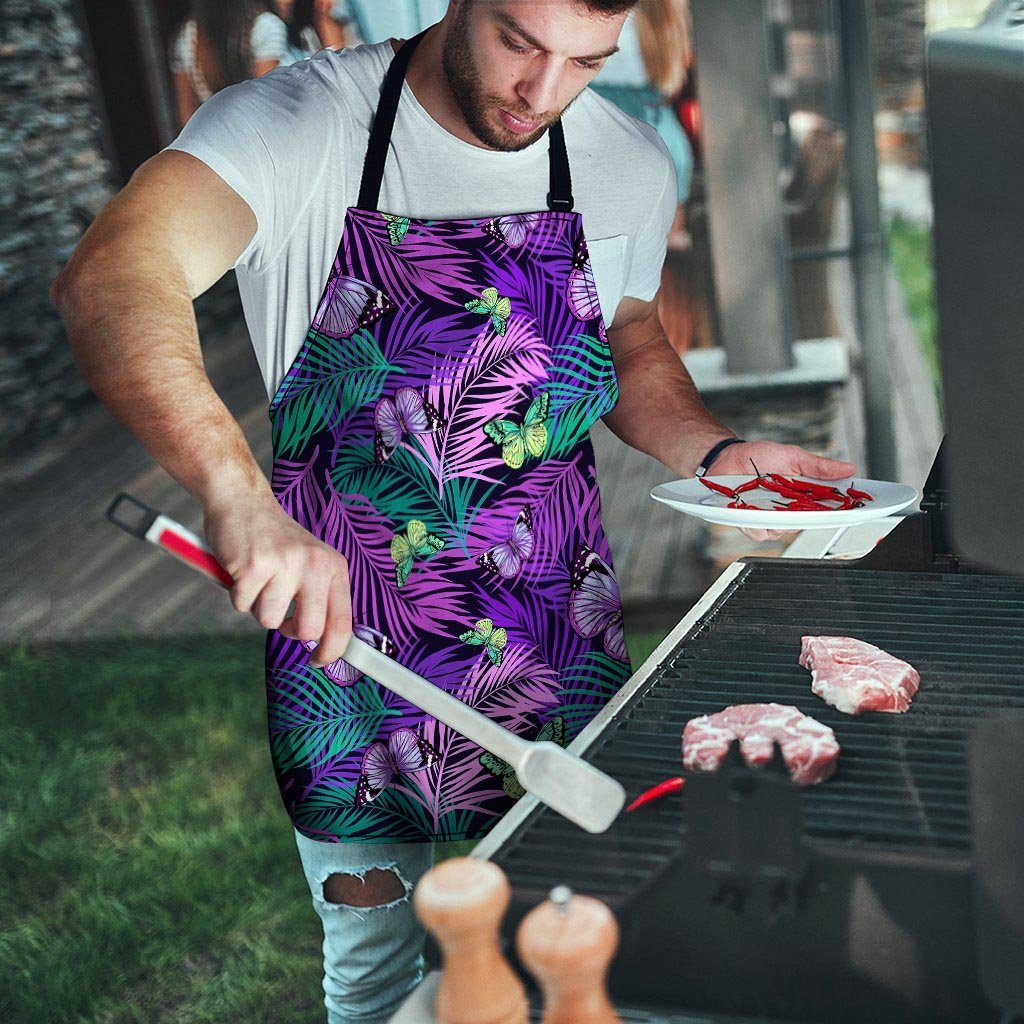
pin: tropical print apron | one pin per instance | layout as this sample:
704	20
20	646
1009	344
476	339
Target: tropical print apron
434	429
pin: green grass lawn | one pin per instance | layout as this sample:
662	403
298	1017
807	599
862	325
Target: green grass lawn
149	873
910	248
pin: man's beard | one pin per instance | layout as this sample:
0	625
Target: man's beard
464	82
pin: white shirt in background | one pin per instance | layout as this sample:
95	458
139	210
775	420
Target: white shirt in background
268	40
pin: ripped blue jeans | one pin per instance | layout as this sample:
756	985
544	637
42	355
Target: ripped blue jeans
373	955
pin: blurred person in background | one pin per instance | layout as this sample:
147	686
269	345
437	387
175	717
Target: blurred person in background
223	42
647	75
313	25
373	21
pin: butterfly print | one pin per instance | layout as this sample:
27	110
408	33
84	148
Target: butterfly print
581	290
553	731
594	605
513	231
497	308
397	227
414	543
340	671
581	252
408	413
348	305
404	753
507	558
517	440
492	639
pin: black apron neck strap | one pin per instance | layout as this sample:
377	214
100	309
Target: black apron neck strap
383	123
560	187
560	194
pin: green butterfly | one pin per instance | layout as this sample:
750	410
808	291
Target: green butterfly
553	730
416	542
484	634
518	439
498	309
397	227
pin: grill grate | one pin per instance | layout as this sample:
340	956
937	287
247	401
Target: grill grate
902	779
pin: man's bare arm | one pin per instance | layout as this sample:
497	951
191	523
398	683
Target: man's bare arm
660	411
126	300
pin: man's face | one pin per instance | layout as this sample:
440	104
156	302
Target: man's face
513	66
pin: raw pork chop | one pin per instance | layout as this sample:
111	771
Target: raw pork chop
855	677
809	748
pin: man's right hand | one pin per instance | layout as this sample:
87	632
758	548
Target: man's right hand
275	561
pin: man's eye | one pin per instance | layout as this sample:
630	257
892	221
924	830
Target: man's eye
589	65
513	46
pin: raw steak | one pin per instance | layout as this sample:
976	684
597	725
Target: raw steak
809	748
855	677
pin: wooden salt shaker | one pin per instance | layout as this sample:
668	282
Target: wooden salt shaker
462	901
567	943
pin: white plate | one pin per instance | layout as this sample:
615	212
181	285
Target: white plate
693	498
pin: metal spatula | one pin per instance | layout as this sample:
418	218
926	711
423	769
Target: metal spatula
572	787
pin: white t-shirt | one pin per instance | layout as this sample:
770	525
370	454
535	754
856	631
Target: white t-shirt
292	144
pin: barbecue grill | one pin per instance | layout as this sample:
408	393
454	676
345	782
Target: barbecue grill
747	896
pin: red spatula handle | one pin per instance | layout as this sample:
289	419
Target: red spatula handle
147	524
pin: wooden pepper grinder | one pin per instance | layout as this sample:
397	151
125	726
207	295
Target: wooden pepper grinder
462	901
567	942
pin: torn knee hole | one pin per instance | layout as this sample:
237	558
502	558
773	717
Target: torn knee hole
373	889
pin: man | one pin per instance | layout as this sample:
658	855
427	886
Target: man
433	376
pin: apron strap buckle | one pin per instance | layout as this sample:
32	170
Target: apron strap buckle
560	203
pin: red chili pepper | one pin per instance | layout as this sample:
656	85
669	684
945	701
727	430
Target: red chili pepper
720	488
806	504
750	485
863	495
787	492
656	792
807	487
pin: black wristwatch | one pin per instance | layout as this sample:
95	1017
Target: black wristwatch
705	463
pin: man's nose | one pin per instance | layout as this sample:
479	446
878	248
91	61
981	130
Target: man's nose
539	91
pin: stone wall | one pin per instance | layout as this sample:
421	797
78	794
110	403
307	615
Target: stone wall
54	178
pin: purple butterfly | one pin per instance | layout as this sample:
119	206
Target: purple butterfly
582	289
408	413
349	304
507	559
513	230
340	671
405	752
594	605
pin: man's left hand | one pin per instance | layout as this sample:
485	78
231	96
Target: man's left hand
771	457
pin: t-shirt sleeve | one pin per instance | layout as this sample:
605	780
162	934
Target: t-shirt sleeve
649	249
269	38
269	140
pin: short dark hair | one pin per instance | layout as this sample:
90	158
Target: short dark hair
609	6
